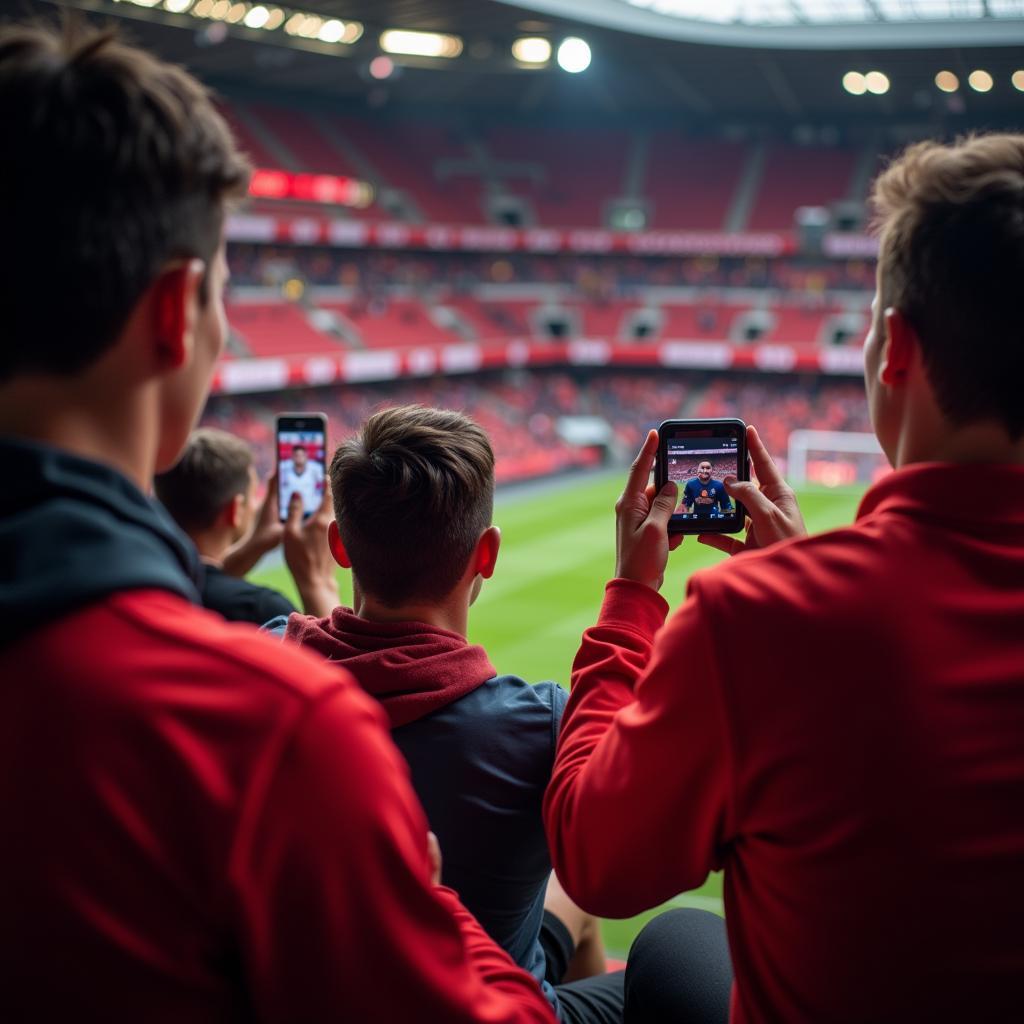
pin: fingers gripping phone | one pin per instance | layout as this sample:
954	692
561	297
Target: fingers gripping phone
301	443
697	455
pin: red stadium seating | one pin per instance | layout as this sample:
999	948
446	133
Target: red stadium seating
249	141
795	177
692	183
395	323
583	168
276	329
406	155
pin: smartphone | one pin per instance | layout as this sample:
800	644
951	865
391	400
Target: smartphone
698	455
301	442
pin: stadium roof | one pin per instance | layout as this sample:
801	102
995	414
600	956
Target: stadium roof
805	23
636	71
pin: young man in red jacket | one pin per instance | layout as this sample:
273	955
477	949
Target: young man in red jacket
838	721
199	824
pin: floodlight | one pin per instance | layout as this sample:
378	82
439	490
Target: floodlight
947	81
1018	80
420	44
980	81
177	6
310	27
574	55
855	83
531	50
331	31
876	83
257	17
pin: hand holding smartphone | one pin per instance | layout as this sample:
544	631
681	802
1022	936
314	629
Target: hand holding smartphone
697	455
301	443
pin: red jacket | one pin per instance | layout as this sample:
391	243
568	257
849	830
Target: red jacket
838	722
203	825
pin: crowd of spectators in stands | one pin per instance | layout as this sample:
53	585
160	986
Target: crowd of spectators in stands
609	276
520	409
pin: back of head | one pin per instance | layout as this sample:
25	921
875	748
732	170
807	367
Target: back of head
214	467
114	164
952	261
413	492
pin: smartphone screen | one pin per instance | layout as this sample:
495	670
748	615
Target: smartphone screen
698	455
301	460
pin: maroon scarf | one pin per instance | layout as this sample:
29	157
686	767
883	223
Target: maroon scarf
412	668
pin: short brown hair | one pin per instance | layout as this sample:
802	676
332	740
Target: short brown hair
413	491
952	261
114	163
214	467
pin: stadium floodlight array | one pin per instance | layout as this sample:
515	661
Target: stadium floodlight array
875	82
261	17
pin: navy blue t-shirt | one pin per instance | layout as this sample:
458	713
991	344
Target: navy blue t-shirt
480	767
705	498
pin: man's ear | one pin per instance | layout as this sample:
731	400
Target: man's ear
900	347
175	297
486	555
337	546
233	511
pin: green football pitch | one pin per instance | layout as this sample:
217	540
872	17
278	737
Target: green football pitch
557	551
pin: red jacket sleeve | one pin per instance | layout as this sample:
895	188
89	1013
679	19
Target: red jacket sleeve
339	917
638	804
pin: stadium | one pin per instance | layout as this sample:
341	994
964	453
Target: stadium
570	220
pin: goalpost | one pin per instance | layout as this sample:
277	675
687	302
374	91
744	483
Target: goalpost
827	442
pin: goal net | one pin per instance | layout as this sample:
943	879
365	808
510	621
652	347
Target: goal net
834	458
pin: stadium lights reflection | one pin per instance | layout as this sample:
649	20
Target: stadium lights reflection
947	81
420	44
177	6
531	50
1018	80
573	55
876	83
854	83
980	81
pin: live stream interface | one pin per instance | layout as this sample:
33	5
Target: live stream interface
698	465
301	468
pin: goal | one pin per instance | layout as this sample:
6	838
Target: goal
833	458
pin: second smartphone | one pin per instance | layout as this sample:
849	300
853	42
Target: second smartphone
301	442
697	455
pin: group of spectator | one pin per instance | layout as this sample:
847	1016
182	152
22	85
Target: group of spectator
608	277
209	822
520	410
